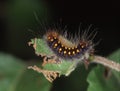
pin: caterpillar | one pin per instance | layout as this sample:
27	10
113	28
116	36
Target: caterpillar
69	49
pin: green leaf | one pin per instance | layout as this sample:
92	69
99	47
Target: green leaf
32	81
64	68
10	70
51	69
98	82
41	48
14	76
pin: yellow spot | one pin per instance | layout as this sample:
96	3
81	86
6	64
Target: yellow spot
62	45
72	47
60	49
73	52
51	40
65	52
78	50
55	38
69	48
82	46
65	47
55	45
69	52
58	42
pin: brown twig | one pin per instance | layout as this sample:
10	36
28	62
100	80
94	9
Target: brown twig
49	75
106	62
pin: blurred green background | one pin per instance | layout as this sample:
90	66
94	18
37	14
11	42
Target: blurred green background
21	20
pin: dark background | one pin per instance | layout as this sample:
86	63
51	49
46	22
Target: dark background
103	15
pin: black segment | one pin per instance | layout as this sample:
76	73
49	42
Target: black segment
61	54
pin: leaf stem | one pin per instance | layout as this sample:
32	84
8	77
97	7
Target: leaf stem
106	62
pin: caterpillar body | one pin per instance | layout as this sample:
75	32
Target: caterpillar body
67	49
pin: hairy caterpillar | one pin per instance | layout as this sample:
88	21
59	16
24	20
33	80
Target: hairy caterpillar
61	54
69	49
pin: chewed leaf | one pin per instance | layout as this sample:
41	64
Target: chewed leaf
101	79
40	47
51	71
49	75
64	68
51	68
